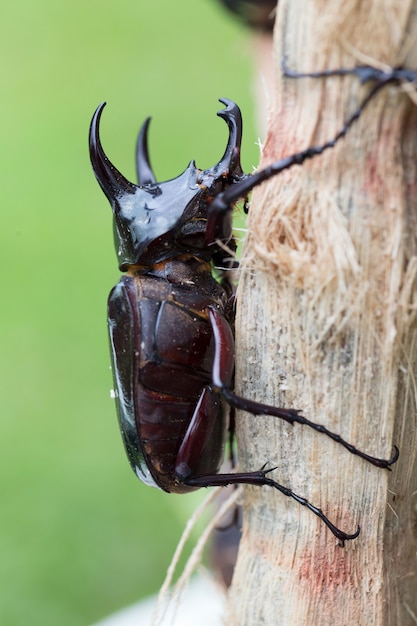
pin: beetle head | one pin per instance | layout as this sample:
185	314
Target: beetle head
155	220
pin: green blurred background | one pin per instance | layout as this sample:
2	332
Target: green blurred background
80	536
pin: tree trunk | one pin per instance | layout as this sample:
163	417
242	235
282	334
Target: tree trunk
327	324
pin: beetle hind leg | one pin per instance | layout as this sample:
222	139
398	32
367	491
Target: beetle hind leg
260	479
199	437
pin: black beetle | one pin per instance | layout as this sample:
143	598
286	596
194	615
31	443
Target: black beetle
171	321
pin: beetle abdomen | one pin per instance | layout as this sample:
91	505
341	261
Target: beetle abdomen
177	363
162	422
160	374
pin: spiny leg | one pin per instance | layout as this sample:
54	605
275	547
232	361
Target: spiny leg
221	331
365	73
294	416
260	479
223	202
219	208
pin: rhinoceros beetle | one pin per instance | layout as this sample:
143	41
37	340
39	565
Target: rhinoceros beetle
171	322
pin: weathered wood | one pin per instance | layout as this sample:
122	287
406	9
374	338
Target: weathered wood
327	323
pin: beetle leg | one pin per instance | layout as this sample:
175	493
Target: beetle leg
294	416
222	335
222	375
198	434
260	478
363	72
223	202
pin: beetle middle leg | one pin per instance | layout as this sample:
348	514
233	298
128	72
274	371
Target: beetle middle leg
222	336
199	432
222	362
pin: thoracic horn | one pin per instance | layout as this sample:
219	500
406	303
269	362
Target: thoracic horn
143	166
112	182
231	158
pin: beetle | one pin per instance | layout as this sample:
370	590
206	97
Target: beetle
257	14
171	322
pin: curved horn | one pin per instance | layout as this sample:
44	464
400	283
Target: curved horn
112	182
143	166
231	157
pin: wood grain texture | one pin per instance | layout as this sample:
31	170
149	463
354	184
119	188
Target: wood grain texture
327	324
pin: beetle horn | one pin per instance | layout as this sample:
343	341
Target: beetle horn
143	166
231	158
112	182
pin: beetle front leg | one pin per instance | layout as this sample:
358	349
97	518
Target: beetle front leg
221	207
221	365
365	73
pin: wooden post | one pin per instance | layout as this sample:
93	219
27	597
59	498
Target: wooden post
326	323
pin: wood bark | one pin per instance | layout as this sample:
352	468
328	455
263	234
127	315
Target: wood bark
326	323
